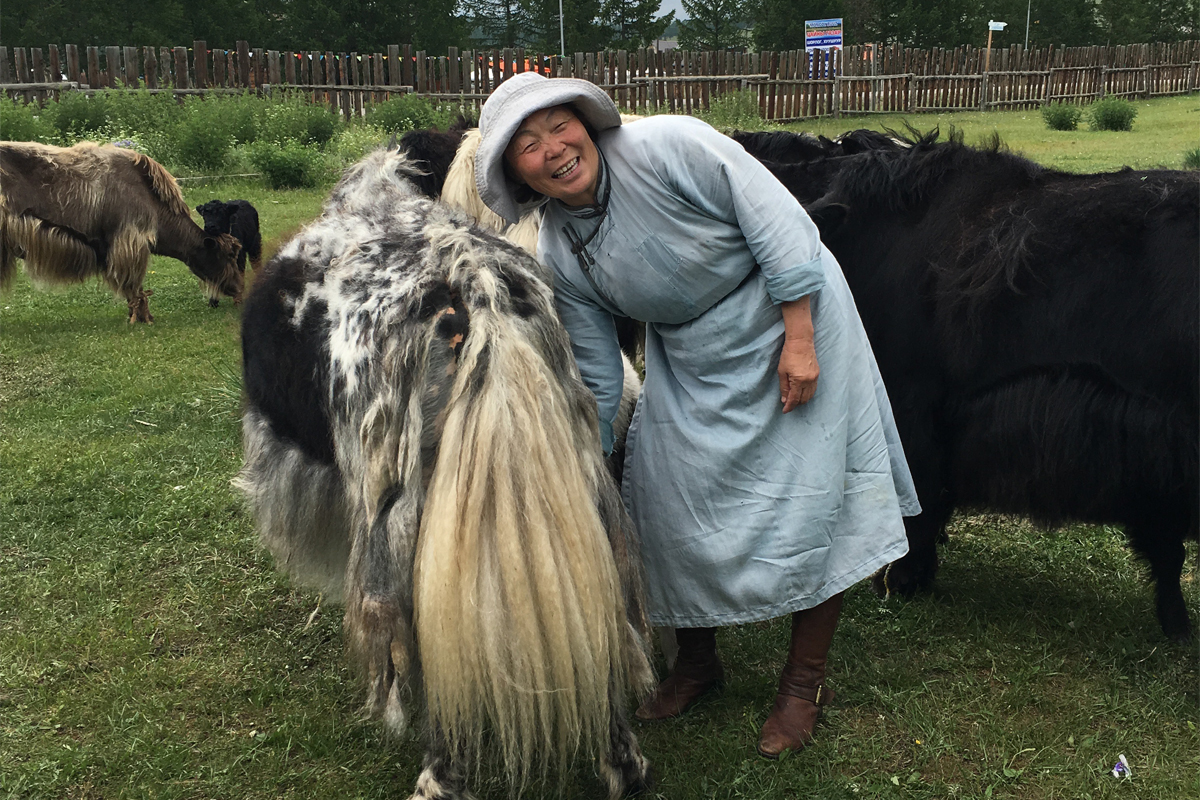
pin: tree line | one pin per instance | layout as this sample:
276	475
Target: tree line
588	25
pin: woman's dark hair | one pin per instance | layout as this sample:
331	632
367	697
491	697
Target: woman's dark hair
522	193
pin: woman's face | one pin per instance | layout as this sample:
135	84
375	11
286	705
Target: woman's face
553	154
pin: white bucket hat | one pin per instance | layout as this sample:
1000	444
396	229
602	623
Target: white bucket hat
507	108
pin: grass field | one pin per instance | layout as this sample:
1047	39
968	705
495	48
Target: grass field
149	650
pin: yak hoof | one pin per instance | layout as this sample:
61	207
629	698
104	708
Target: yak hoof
1175	623
907	576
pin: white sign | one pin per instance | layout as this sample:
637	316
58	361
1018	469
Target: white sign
996	26
823	34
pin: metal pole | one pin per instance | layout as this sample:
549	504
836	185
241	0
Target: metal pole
1027	6
562	39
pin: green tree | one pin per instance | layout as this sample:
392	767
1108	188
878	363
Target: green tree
581	25
779	24
714	24
633	23
500	23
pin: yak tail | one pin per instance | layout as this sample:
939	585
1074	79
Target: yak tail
519	616
299	505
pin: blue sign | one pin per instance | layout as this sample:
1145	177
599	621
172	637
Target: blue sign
823	34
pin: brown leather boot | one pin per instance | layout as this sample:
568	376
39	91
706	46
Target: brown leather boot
802	690
697	669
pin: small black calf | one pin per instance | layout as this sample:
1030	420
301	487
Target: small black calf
239	218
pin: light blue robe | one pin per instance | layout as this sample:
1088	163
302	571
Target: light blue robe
745	513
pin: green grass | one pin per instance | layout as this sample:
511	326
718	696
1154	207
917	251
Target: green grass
149	650
1165	129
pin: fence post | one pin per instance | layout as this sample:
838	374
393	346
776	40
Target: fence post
132	73
983	92
393	61
72	63
243	62
200	62
1103	81
93	58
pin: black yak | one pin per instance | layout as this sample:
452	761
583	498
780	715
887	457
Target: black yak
77	212
1039	335
239	219
418	442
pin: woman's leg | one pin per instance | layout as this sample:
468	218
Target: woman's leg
802	690
697	669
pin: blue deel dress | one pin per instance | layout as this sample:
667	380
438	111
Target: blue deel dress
745	513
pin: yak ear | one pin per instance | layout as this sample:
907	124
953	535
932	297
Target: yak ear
394	144
828	217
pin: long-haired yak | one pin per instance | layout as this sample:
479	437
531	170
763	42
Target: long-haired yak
1039	335
418	442
91	210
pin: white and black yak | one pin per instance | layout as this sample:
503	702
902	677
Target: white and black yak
78	212
1039	335
418	443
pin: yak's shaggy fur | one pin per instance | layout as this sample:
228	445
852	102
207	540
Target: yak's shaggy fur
418	441
90	210
1039	336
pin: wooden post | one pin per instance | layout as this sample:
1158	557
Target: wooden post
406	65
218	67
289	68
182	80
93	58
132	73
393	60
200	63
72	63
243	63
987	59
151	67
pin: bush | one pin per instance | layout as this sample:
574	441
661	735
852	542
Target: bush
23	122
734	110
405	113
1061	117
1112	114
355	141
140	112
76	115
294	119
1191	158
292	166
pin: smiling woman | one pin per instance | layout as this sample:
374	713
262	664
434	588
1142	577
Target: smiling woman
553	154
757	493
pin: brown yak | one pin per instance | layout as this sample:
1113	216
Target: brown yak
86	210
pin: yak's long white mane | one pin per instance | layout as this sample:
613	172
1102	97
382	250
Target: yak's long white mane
490	563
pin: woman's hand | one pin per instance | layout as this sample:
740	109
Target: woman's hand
798	368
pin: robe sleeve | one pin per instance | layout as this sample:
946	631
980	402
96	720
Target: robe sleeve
594	344
715	174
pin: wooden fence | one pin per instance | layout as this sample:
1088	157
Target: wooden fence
790	85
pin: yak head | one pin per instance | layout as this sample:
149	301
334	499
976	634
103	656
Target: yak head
214	262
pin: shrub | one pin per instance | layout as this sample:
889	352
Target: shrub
1061	117
1191	158
294	119
1112	114
734	110
405	113
77	115
355	141
291	166
23	122
140	112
